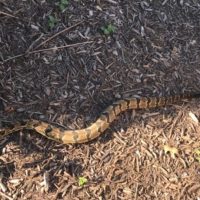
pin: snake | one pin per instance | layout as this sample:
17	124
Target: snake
93	131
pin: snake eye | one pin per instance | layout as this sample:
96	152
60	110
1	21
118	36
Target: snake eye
48	129
2	133
23	123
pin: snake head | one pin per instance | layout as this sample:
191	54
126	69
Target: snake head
2	133
31	124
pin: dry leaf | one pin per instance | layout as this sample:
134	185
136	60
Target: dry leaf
172	150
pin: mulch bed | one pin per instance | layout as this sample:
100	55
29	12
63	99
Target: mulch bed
66	61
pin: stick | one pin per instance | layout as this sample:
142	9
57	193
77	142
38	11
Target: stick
49	49
66	29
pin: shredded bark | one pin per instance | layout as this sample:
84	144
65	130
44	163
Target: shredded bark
68	70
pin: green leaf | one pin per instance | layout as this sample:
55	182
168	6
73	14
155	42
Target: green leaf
109	29
63	4
52	21
82	181
62	7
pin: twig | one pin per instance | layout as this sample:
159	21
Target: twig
9	15
174	124
11	58
61	47
49	49
66	29
33	43
111	1
6	196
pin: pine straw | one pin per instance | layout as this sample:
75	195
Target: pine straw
153	52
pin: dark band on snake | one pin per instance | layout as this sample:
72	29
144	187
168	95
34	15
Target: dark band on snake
97	128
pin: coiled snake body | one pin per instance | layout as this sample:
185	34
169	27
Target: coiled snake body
97	128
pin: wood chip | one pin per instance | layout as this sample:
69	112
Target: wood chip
193	117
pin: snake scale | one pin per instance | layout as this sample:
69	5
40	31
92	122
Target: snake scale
97	128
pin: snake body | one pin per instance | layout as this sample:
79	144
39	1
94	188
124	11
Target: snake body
97	128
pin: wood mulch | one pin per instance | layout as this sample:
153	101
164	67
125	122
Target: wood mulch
58	63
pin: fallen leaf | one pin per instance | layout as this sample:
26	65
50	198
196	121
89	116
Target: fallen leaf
172	150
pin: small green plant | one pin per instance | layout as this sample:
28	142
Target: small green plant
82	181
63	4
52	21
109	29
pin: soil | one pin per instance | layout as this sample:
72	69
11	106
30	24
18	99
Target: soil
64	62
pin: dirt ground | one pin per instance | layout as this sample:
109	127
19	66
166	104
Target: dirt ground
65	61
